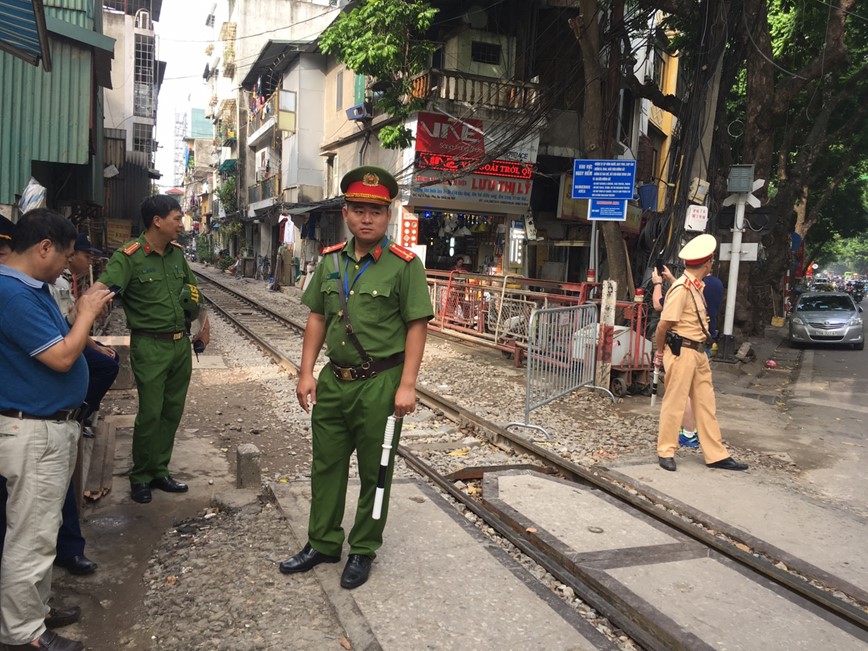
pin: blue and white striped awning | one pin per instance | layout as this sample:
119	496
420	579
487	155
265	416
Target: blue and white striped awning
23	33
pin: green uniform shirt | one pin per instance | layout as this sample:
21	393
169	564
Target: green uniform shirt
150	285
389	293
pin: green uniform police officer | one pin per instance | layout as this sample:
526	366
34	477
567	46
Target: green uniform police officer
158	290
371	373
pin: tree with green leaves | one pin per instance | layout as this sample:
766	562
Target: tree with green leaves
384	40
793	102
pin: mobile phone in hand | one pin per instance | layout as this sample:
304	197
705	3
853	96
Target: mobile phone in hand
658	265
115	289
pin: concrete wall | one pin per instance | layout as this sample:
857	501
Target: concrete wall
119	98
302	164
286	20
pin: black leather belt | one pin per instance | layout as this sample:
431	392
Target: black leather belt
62	415
366	370
174	336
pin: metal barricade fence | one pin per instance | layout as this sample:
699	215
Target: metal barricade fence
561	353
495	310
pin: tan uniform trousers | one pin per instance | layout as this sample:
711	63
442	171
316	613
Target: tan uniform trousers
37	458
689	374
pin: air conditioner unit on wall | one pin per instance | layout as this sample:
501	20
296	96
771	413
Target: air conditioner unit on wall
261	175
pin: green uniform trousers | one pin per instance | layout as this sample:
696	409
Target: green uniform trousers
350	416
162	368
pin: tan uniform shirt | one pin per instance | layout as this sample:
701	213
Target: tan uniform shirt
685	306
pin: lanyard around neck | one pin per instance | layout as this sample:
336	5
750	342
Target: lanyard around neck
347	285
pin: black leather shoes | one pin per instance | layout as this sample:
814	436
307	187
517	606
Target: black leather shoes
169	484
667	463
78	565
50	641
60	617
356	572
727	464
140	493
307	559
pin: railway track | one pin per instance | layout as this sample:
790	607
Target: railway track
280	337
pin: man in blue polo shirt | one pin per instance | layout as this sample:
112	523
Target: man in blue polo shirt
45	379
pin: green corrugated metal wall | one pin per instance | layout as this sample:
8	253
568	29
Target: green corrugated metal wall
43	116
46	116
77	12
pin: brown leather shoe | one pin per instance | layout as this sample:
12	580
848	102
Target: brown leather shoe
60	617
50	641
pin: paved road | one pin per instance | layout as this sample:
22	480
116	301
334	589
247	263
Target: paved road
829	410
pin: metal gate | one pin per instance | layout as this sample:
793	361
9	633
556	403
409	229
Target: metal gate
561	352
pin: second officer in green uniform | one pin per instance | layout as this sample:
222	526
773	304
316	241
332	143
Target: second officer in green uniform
159	296
369	304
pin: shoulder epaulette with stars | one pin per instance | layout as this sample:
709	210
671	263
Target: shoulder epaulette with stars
176	244
132	247
333	248
405	254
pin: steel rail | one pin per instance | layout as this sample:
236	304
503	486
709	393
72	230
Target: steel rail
282	360
646	501
652	635
259	306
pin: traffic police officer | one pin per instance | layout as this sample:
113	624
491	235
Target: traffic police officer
369	303
680	342
155	282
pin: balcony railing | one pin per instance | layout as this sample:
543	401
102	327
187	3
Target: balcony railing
266	189
481	91
262	114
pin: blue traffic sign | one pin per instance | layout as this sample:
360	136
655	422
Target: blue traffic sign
608	210
604	179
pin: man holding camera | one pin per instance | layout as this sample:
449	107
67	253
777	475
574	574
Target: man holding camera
680	342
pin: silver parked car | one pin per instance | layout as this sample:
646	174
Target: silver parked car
826	318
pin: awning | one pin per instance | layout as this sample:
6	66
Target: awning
23	33
228	166
300	210
273	59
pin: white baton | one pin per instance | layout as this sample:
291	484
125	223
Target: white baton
388	435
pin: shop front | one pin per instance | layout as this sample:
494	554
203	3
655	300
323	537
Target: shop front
470	194
562	248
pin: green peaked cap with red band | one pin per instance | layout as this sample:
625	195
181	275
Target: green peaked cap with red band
369	184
